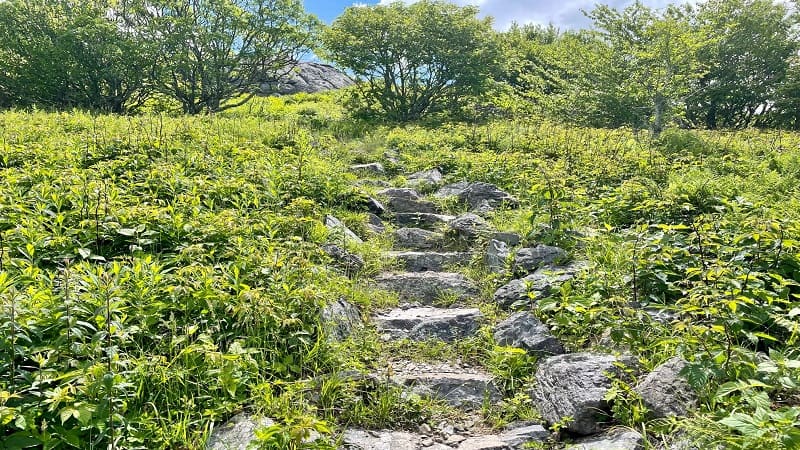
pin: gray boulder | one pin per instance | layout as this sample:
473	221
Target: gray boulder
339	319
347	261
477	194
611	440
419	324
529	259
237	433
417	238
469	226
665	392
309	77
425	179
339	233
524	330
421	220
430	261
511	439
541	284
575	385
374	206
403	200
374	168
497	253
427	287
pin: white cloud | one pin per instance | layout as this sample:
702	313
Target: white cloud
564	13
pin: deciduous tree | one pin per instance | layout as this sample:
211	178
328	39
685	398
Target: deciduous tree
414	59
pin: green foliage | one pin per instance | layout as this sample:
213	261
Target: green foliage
63	55
746	56
213	53
414	59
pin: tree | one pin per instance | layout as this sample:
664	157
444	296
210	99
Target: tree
747	55
213	53
70	54
650	62
414	59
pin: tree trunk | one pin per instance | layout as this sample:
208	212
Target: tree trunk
659	110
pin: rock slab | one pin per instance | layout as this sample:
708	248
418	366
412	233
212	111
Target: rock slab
421	219
417	238
427	287
355	439
404	200
419	324
611	440
458	389
429	261
511	439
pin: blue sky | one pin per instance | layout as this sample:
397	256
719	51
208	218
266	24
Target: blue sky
563	13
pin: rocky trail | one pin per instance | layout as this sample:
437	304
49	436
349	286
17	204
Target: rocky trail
439	302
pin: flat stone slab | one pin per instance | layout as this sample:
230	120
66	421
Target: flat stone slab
430	261
419	324
421	219
542	283
512	439
425	178
355	439
611	440
417	238
458	387
523	330
575	385
427	287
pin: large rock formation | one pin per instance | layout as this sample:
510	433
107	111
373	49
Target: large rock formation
308	77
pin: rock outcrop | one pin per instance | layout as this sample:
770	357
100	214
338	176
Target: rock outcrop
309	77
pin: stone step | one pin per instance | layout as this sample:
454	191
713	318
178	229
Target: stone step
418	239
460	387
404	200
419	324
422	220
427	287
510	439
415	261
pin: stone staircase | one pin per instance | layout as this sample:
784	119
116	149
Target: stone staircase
436	302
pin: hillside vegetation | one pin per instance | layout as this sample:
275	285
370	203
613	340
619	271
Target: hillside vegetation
533	238
159	274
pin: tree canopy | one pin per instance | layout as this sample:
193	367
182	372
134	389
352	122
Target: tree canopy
414	59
